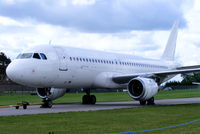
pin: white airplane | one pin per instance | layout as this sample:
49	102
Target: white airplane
53	69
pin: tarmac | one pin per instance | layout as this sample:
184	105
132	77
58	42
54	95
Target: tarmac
77	107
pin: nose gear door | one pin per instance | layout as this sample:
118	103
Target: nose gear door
63	58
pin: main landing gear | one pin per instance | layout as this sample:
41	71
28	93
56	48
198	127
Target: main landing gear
148	102
88	99
47	103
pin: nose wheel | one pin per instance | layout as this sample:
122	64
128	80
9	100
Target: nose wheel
47	103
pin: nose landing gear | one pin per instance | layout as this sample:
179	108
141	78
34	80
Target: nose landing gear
47	103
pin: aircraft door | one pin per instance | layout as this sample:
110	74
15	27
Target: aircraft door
63	59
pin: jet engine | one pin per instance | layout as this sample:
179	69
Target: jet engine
50	93
142	88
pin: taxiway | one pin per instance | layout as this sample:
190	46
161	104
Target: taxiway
75	107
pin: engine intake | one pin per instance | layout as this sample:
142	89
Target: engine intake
142	88
50	93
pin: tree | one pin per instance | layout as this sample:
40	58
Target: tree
172	83
188	79
4	62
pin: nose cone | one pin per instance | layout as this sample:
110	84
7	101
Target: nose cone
30	73
13	72
10	71
17	72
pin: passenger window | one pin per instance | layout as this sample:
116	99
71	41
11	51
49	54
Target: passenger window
43	56
36	56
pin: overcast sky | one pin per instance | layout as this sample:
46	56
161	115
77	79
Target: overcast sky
139	27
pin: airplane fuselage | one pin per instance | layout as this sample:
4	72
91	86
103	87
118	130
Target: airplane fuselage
67	67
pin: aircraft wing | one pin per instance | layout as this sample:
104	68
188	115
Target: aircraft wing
122	79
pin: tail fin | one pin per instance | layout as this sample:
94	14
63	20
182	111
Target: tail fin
171	44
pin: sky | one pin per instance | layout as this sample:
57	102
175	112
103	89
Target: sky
139	27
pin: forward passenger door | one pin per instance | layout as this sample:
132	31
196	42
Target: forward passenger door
63	58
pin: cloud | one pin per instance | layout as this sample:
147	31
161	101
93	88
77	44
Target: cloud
100	16
128	26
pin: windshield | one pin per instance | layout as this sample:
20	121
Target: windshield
43	56
32	55
24	56
36	56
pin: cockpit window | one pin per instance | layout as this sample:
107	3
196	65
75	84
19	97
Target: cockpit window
36	56
24	56
32	55
43	56
18	56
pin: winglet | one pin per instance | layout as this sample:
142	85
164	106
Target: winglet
171	44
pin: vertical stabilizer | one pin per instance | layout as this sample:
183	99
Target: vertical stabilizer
171	44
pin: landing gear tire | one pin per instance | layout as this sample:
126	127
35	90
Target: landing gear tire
92	99
24	106
143	102
85	99
88	99
47	104
151	101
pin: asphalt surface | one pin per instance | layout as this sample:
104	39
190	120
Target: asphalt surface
75	107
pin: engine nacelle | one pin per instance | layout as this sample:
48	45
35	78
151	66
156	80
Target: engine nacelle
142	88
50	93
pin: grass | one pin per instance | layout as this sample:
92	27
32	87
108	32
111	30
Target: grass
117	96
109	121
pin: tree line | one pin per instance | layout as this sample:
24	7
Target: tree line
4	62
187	80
